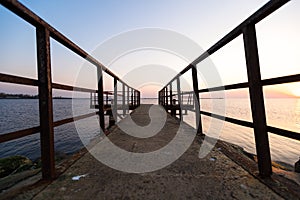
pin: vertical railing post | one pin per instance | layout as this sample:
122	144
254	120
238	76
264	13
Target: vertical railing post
257	101
91	100
159	98
106	98
134	98
45	103
166	98
131	98
163	97
115	107
128	98
171	100
139	98
100	98
179	98
197	99
123	98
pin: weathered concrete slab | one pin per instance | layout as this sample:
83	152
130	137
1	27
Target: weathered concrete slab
213	177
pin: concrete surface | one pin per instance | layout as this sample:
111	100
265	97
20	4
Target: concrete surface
213	177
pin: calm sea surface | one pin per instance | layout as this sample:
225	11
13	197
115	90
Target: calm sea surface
17	114
281	113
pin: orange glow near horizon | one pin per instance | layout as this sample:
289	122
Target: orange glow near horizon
295	89
149	90
287	90
296	92
291	90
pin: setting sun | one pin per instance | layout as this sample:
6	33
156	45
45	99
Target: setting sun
296	92
294	89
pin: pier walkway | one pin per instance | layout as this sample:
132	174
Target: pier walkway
187	177
218	175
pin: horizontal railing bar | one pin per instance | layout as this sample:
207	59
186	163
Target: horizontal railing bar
225	87
71	88
18	80
281	80
120	91
274	130
283	132
73	119
187	92
260	14
18	134
271	81
220	88
111	94
26	14
30	131
33	82
228	119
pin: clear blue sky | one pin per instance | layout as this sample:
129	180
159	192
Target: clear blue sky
89	23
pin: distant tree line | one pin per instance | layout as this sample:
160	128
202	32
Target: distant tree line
17	96
26	96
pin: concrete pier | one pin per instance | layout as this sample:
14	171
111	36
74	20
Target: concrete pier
214	177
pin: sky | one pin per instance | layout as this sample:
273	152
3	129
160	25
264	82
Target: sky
94	24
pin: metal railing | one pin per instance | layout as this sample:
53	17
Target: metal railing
44	83
255	85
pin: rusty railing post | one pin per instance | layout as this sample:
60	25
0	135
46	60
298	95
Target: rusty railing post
179	98
159	98
123	98
197	100
171	100
162	97
131	98
134	98
166	98
106	98
115	107
139	98
91	99
128	103
100	98
45	103
257	102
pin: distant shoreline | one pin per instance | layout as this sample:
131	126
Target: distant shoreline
27	96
